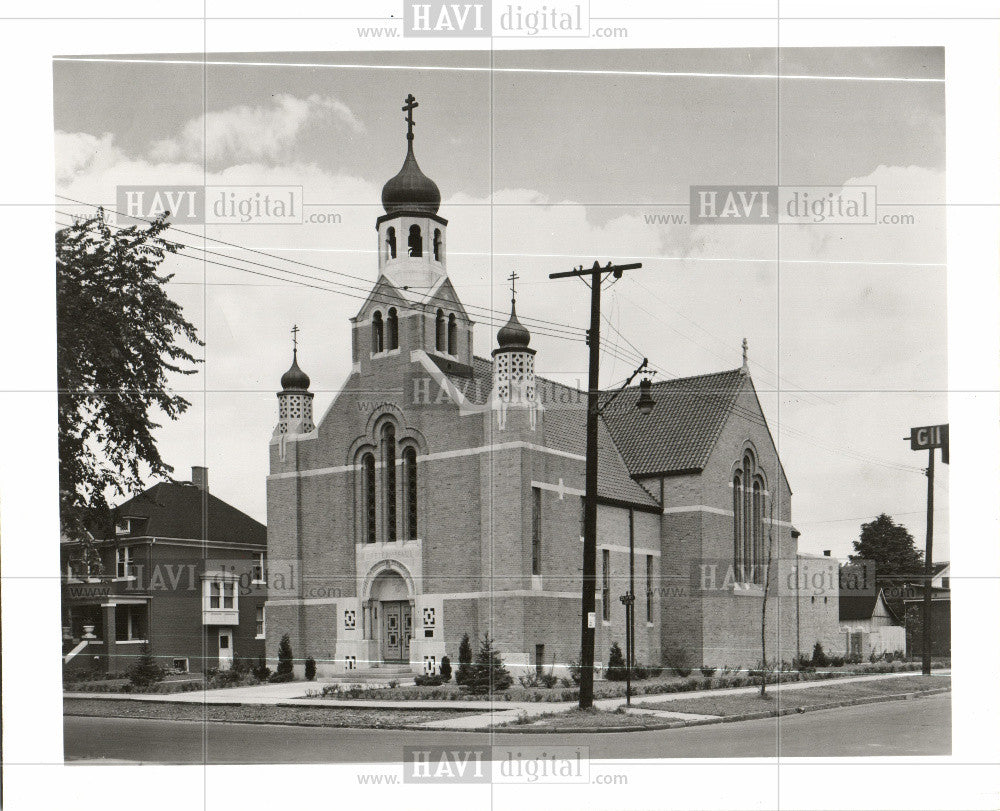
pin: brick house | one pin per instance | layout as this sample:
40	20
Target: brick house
441	494
178	570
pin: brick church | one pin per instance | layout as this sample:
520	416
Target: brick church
441	494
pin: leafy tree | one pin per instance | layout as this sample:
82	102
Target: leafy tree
119	336
285	656
891	548
489	675
464	661
616	664
445	668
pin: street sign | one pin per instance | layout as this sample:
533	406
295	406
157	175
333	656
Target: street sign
930	436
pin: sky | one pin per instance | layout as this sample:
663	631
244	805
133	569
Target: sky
549	160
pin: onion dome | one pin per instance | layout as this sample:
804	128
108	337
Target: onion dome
294	378
513	334
411	189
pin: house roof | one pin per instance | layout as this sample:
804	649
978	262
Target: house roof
680	432
181	510
862	606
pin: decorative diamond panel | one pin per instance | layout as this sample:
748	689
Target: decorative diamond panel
428	618
350	620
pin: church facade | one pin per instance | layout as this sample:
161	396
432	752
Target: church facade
441	494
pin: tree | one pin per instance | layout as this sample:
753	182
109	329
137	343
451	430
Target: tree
489	674
445	669
119	336
891	548
284	656
145	672
764	667
464	661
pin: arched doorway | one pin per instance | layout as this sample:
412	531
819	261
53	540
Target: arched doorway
394	610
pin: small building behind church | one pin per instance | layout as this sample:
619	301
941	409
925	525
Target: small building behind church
441	494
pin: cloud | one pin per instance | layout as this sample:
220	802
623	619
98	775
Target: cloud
245	134
78	152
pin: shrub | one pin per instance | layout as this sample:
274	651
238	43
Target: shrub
429	680
145	671
549	680
819	658
281	678
445	669
489	674
565	682
654	671
284	656
261	671
242	664
836	661
464	661
616	664
677	659
310	669
706	671
393	684
528	680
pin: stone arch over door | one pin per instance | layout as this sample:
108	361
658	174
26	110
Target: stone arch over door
388	605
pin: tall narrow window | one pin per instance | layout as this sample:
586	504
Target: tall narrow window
389	480
452	335
536	530
440	330
738	528
415	242
392	329
606	584
390	241
758	531
378	332
748	561
437	244
649	588
368	496
410	493
259	621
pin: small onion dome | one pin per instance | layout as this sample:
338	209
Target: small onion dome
513	334
411	189
294	378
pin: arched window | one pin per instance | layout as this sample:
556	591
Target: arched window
392	329
410	494
748	559
437	244
390	241
452	335
368	497
378	332
389	480
758	528
415	242
440	329
738	527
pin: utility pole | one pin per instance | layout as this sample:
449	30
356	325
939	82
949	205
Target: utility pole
588	612
929	438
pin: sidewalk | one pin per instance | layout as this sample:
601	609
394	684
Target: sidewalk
493	712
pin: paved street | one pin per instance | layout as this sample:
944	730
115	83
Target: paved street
916	727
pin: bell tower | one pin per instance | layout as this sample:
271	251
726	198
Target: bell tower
295	413
514	368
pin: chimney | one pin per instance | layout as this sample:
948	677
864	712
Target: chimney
826	553
199	478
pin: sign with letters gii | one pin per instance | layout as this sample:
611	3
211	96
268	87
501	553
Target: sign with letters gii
930	436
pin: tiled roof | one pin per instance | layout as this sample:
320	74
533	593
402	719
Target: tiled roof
680	432
177	510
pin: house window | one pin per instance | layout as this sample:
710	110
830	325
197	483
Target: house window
389	480
124	567
440	331
410	493
222	594
606	584
415	243
649	588
392	329
452	335
390	241
536	530
259	572
368	496
180	665
123	527
215	595
130	623
378	333
259	618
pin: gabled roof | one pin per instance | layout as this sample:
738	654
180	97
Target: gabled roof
680	432
862	606
181	510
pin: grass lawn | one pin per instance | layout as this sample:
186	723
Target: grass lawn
587	719
778	699
309	716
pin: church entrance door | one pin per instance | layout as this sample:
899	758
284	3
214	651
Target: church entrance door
397	623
